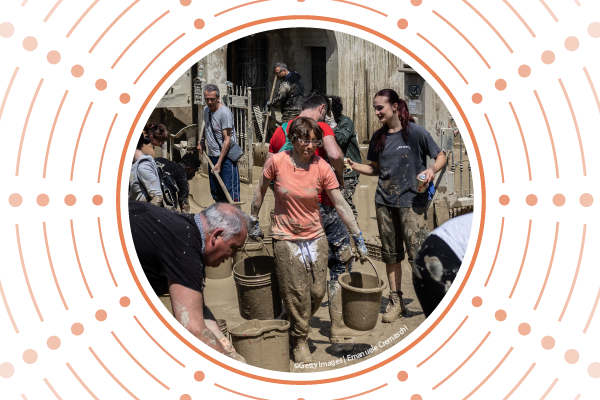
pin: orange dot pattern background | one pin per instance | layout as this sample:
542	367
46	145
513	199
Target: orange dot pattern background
78	80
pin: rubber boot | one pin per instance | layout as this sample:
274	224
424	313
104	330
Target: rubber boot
395	308
339	331
301	351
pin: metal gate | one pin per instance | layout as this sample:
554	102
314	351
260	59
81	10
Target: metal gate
239	101
249	66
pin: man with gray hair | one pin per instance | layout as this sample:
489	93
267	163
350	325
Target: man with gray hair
290	94
174	249
219	133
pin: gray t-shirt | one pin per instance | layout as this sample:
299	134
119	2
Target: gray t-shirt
221	119
399	164
144	180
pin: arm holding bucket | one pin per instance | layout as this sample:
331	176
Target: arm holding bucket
211	323
347	217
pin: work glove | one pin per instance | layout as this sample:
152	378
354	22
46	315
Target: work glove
361	247
255	231
330	121
268	104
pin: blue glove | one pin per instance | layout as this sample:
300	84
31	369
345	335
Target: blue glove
255	231
430	191
268	104
359	241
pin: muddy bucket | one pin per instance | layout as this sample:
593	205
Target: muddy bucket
361	297
264	344
221	272
253	249
257	288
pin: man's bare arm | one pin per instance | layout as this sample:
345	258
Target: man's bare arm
336	157
226	144
188	309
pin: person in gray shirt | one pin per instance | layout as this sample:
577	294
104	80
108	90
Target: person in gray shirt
144	181
219	132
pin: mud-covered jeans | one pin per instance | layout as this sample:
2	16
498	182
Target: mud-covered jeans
338	240
349	189
399	227
301	290
434	270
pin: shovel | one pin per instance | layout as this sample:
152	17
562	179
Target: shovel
261	149
211	165
229	199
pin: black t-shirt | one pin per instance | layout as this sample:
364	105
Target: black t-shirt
168	245
400	163
176	175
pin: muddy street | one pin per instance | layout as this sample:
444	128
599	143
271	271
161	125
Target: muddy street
221	295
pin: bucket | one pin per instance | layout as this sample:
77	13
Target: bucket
253	249
257	288
221	272
361	297
264	344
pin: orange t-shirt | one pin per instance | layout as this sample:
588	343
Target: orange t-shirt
297	191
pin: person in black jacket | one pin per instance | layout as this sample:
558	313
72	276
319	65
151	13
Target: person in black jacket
290	94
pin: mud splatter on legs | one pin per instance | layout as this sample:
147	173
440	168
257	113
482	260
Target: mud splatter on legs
302	290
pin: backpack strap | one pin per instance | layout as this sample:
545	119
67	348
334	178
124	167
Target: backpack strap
139	163
287	145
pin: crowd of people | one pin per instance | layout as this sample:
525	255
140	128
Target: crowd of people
313	167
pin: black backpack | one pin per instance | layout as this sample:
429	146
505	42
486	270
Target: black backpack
168	186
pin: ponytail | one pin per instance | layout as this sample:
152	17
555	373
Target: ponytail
404	116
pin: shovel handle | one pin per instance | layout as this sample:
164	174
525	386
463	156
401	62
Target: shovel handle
229	199
267	119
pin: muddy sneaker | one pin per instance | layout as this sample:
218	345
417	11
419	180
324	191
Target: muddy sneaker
395	308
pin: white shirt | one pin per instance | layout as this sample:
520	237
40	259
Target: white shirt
456	233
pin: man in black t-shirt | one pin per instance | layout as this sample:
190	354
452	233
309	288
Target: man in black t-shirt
174	249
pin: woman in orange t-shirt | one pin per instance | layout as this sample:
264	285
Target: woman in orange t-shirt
299	243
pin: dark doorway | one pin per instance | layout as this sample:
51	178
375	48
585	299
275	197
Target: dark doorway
319	69
247	66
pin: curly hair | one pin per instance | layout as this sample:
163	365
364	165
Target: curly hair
191	160
142	141
301	127
159	132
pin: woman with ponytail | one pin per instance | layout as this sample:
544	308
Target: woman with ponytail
398	153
